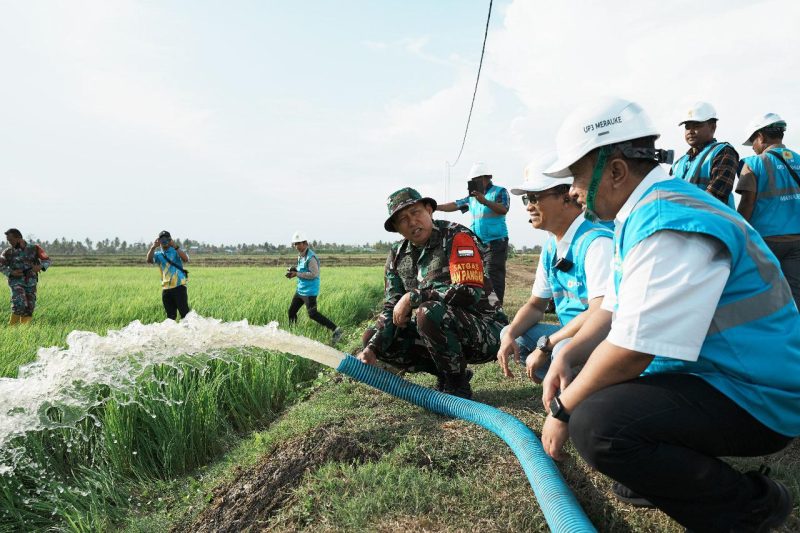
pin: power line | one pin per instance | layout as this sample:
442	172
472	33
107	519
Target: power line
475	91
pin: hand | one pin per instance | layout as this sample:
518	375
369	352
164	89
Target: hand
401	313
557	379
508	347
554	434
479	196
535	360
36	269
367	356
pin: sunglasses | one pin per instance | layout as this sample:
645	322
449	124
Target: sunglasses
534	197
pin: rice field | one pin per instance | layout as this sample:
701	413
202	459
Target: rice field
81	476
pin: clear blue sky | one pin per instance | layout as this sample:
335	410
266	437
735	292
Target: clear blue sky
244	121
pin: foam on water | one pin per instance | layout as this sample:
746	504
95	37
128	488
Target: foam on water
66	379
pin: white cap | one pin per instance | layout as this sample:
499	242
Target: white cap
762	121
604	122
699	112
299	236
479	169
535	179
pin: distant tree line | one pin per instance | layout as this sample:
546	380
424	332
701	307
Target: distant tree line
87	246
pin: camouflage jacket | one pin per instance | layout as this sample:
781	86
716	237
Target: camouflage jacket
448	269
23	259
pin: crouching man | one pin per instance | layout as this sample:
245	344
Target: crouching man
573	270
440	312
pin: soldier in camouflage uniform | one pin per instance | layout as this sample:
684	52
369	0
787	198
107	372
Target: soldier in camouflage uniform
21	264
440	312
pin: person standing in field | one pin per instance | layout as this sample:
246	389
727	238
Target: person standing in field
709	164
770	189
308	283
489	204
573	269
439	312
21	263
169	257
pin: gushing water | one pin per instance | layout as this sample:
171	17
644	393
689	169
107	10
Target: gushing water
59	389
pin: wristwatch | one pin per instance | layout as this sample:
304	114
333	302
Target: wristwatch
542	343
557	410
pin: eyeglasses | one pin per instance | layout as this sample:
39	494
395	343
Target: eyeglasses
535	198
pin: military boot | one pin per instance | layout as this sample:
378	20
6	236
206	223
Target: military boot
458	384
25	319
15	319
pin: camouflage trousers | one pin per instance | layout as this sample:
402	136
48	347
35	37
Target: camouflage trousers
441	338
23	297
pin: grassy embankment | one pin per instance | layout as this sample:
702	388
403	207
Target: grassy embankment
181	416
350	458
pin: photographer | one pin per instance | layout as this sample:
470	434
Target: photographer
308	281
170	259
489	204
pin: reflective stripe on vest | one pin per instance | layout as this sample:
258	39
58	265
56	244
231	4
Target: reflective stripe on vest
569	288
307	287
486	224
777	207
751	352
698	170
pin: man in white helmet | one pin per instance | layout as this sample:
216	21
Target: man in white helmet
573	270
663	393
709	164
489	204
770	189
308	282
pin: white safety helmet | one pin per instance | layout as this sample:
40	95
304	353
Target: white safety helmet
605	122
479	169
762	121
699	112
299	236
535	180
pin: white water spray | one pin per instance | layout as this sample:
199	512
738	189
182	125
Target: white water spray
66	379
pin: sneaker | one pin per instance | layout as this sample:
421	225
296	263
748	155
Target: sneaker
337	334
624	494
771	508
458	384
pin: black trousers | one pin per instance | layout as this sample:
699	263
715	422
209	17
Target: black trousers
661	436
496	265
175	300
311	306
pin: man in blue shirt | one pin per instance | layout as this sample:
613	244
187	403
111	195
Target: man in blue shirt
489	204
170	259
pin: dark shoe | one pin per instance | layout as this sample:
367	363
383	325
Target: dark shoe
458	384
624	494
770	508
440	379
337	334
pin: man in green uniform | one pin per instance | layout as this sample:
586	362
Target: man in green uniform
440	312
21	263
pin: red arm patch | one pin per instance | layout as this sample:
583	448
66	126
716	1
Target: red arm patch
466	266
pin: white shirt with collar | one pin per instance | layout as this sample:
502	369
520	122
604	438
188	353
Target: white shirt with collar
597	264
671	285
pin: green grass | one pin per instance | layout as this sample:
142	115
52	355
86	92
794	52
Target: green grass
179	418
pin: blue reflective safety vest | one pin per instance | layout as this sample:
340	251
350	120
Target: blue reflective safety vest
698	170
777	208
486	224
569	288
752	349
307	287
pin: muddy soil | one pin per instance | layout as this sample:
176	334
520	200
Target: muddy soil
248	502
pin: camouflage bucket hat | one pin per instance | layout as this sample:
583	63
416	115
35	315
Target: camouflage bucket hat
402	199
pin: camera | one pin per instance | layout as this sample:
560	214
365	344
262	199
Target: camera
475	185
289	271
